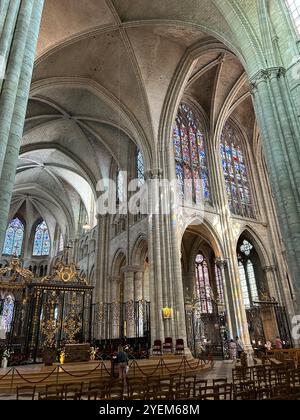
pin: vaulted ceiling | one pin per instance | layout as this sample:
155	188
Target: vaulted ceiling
104	74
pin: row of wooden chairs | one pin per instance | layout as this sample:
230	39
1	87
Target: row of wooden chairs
266	382
176	386
167	347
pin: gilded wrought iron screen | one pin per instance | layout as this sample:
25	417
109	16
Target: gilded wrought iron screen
119	320
40	314
60	315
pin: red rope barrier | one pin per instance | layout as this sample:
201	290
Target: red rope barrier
80	376
34	382
7	373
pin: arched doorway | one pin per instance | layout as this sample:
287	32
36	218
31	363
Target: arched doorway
205	309
265	315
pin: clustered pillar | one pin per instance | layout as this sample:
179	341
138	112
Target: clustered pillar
20	23
280	129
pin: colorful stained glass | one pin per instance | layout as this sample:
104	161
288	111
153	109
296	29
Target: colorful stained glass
235	173
190	155
41	245
6	317
140	168
14	238
203	289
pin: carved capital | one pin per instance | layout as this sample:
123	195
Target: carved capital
265	75
221	263
155	173
269	269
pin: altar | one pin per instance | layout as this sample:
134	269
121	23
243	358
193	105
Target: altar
77	353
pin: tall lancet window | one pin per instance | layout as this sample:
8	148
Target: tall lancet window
14	238
294	9
235	172
120	186
247	274
203	289
140	168
61	243
6	314
190	155
41	245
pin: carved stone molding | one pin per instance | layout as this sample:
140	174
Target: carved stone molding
222	263
265	75
155	173
269	269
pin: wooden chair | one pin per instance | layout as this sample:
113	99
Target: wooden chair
26	393
72	389
208	393
52	392
168	345
224	392
88	396
157	347
179	349
219	381
198	387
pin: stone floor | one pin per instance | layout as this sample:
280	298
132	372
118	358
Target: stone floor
221	369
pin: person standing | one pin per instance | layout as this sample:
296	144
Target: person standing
122	361
239	347
232	350
278	344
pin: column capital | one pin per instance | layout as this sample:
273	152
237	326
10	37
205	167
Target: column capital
131	269
265	75
222	263
269	269
155	173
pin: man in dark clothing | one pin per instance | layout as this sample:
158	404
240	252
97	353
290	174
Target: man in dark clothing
122	360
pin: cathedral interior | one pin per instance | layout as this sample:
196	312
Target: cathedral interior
149	161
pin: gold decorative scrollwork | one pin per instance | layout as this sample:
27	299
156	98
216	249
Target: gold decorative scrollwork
49	330
16	271
71	327
65	273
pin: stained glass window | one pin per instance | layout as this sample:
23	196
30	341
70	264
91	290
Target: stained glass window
247	274
203	289
41	245
6	317
14	238
61	243
235	172
190	155
294	9
140	168
120	186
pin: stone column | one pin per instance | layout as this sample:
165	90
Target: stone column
155	263
129	327
167	262
139	286
102	243
280	130
222	264
15	92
